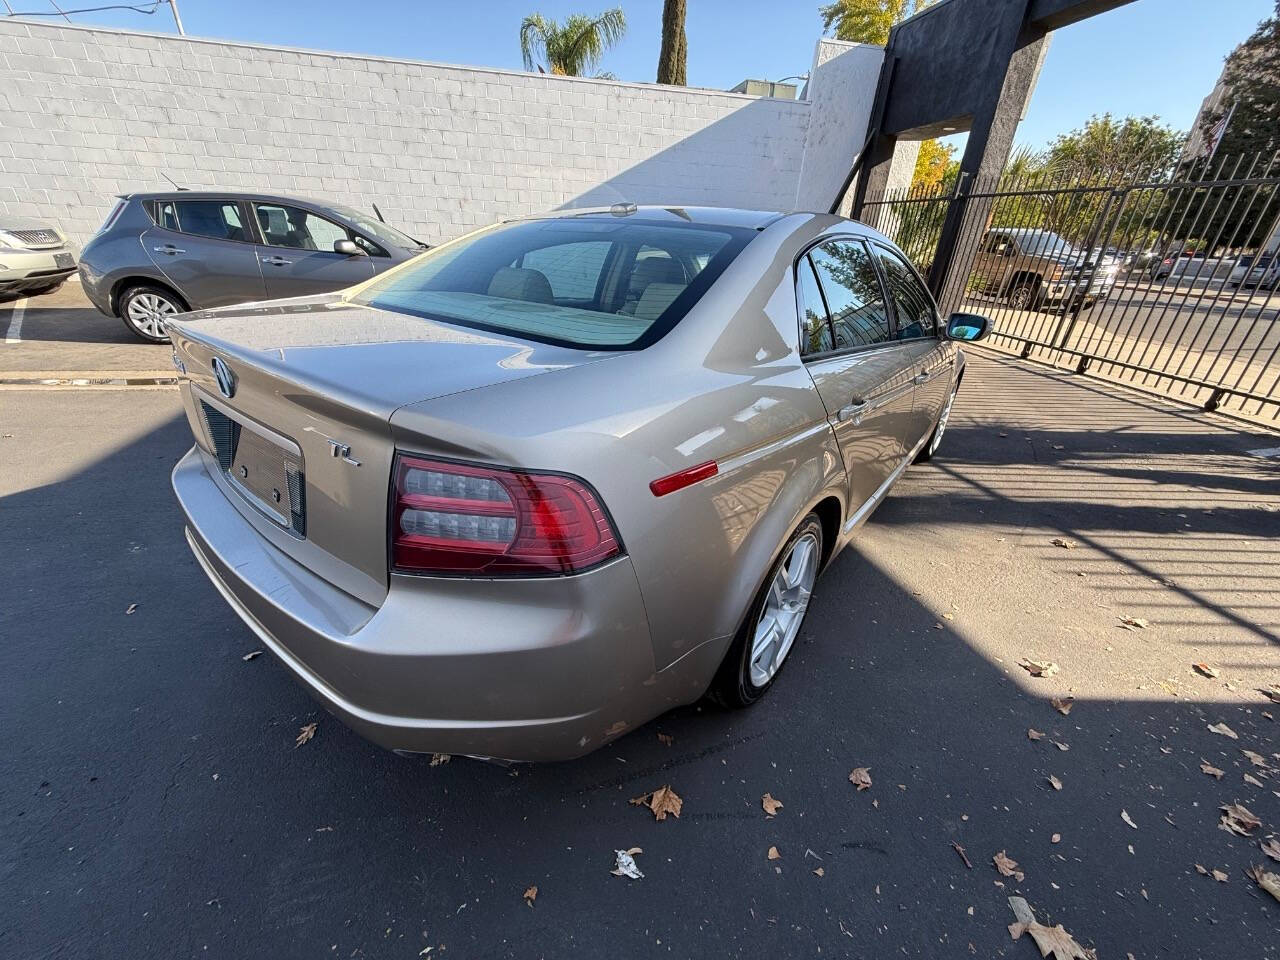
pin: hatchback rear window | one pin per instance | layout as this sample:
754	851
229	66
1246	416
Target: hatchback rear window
607	284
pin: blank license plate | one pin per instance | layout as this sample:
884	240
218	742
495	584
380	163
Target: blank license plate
64	260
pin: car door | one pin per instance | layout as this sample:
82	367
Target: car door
296	252
205	250
989	263
917	329
863	375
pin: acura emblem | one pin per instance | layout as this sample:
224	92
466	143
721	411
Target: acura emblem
226	379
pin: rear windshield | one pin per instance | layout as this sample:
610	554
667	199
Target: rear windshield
609	284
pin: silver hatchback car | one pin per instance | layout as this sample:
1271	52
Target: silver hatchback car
526	492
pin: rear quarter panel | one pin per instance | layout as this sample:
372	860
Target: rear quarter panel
725	385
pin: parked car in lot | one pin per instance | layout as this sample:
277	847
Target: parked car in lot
1252	272
160	254
35	257
526	492
1032	268
1193	268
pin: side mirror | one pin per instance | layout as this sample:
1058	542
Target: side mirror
349	248
968	327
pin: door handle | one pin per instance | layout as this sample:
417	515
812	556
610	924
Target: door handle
277	261
169	248
851	410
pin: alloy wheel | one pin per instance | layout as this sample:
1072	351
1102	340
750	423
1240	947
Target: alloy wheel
783	611
147	313
941	428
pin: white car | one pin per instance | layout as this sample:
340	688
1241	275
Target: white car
35	257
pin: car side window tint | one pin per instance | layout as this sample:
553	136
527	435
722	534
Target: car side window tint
572	269
296	228
917	315
859	316
814	326
219	219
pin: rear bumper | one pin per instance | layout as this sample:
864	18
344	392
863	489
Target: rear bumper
511	669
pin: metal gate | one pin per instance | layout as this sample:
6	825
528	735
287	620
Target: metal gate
1169	285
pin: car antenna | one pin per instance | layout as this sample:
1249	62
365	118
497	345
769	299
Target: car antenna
170	179
379	213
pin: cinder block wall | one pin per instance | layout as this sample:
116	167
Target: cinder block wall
88	113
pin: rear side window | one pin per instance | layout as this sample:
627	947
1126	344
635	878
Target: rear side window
917	316
859	317
578	281
814	327
218	219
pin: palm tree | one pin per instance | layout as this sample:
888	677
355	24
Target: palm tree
675	46
573	48
867	21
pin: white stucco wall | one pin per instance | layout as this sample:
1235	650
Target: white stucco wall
88	113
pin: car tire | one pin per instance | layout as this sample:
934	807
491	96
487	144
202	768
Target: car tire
1023	295
755	658
935	439
143	308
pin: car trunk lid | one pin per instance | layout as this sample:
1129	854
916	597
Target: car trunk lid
291	401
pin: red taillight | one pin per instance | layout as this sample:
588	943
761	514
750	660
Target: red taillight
455	518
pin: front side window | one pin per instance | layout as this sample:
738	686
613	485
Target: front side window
917	315
577	281
859	317
218	219
296	228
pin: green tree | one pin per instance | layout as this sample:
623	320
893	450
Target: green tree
1252	75
935	165
675	46
867	21
1107	150
572	48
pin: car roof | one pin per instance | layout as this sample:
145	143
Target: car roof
709	216
228	195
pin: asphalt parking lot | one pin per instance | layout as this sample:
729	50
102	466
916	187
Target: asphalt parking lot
154	802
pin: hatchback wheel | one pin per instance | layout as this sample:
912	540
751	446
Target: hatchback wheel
144	310
770	630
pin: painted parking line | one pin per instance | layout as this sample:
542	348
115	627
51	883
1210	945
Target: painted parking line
14	333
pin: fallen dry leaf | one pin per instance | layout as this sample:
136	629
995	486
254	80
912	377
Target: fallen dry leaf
1057	942
132	607
1054	782
1038	668
1272	693
774	854
860	777
251	654
1269	882
305	734
963	856
1007	867
1064	544
1124	815
1219	876
666	739
531	895
1034	734
1251	779
819	872
1056	838
1257	759
1271	848
1210	769
1223	729
1205	670
1238	820
438	759
1200	869
771	806
662	801
1061	746
1134	623
1063	705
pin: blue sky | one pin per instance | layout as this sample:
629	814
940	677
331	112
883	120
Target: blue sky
1151	57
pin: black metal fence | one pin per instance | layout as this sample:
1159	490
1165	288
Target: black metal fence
1170	285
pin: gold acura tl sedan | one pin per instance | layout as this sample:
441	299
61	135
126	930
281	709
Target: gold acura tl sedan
528	490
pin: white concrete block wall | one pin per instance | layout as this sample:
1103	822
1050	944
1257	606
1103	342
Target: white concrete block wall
88	113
